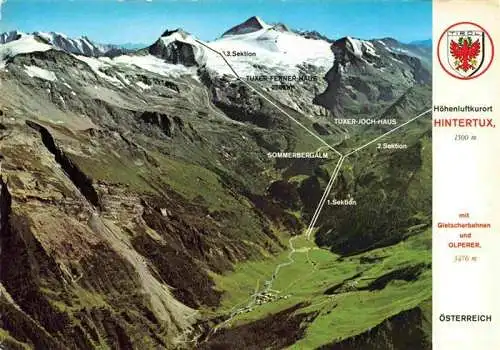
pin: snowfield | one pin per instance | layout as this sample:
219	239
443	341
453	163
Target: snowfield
280	51
34	71
26	44
152	64
362	46
149	63
97	66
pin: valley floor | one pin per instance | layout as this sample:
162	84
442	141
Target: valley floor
341	297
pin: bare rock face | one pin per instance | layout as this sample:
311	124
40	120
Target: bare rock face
252	24
241	103
178	47
9	36
366	74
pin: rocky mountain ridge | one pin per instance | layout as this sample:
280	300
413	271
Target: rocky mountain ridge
79	46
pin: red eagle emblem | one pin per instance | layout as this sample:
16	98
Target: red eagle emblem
465	53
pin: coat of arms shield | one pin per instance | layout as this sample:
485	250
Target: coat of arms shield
466	51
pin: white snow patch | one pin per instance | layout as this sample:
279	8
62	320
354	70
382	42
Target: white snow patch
361	47
25	44
154	64
350	88
96	64
64	36
143	86
369	45
356	46
395	59
45	36
397	49
34	71
370	49
124	78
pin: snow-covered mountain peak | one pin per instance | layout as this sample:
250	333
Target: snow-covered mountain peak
281	27
177	35
80	46
179	47
251	25
355	47
175	32
279	50
11	36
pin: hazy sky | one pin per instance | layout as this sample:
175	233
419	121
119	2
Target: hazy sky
142	21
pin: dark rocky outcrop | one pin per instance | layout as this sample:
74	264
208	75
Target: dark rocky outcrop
25	329
166	123
285	193
252	24
313	34
321	129
177	50
330	98
241	103
310	192
276	212
5	204
74	173
10	36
